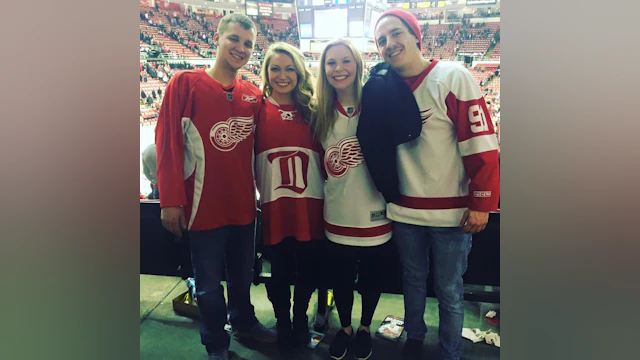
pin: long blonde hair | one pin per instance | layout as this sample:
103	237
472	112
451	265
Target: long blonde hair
326	114
302	95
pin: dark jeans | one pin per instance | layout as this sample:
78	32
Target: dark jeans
229	248
298	263
365	263
450	248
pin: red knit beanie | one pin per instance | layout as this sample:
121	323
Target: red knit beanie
408	19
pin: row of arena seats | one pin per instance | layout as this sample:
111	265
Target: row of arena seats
275	26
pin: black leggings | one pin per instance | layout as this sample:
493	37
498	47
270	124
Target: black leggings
367	265
294	262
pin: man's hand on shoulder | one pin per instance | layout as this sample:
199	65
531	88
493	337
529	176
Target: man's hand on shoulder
474	221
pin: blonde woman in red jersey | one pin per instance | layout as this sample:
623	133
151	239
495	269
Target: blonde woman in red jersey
354	214
290	182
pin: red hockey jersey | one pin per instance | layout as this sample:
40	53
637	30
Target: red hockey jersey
288	175
204	140
453	165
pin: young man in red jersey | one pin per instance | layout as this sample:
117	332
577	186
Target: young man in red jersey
447	174
204	140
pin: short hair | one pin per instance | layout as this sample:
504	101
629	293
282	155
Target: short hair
241	19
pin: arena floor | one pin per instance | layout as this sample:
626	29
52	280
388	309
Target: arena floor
166	335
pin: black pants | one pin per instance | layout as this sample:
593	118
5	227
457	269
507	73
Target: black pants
298	263
367	264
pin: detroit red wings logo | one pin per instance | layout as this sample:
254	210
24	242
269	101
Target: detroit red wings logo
344	155
225	135
425	115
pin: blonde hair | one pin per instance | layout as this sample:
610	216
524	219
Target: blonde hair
326	114
302	95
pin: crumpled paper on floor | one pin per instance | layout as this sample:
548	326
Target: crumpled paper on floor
492	339
476	335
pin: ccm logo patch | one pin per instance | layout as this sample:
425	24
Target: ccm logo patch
251	99
378	215
482	194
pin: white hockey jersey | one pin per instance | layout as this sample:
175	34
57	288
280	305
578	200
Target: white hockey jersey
453	165
354	210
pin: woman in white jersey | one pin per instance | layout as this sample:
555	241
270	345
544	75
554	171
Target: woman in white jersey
290	181
354	214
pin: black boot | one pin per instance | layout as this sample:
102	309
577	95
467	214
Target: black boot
301	334
285	335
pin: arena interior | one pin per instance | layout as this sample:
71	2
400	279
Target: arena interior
176	35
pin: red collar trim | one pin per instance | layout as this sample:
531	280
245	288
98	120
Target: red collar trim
424	75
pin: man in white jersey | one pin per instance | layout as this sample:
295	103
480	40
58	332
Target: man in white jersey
448	176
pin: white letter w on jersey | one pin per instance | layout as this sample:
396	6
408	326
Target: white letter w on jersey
293	169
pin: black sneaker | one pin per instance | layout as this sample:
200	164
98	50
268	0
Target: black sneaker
301	335
362	345
412	349
339	345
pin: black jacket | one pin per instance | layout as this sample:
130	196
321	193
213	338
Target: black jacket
390	116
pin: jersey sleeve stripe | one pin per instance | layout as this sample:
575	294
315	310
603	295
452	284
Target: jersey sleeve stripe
194	158
478	144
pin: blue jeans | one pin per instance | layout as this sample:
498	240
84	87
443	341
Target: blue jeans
450	248
229	248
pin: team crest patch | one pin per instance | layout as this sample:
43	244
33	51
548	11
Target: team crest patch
229	96
248	98
342	156
293	167
225	135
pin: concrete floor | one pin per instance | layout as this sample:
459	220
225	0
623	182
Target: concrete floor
166	335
